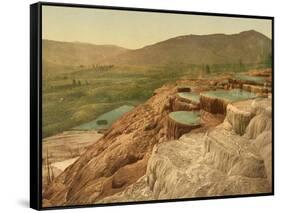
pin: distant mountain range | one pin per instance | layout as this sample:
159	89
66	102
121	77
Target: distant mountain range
245	47
77	53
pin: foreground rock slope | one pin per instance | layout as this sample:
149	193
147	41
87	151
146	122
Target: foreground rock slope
217	163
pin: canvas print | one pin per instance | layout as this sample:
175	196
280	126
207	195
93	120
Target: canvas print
152	106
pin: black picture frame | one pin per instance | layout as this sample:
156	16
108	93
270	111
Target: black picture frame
36	102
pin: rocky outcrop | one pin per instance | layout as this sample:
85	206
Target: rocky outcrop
186	168
233	155
259	124
239	115
260	131
263	119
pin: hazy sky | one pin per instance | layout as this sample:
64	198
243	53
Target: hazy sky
132	29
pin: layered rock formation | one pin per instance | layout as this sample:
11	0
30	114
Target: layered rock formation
259	131
239	115
191	168
214	163
213	105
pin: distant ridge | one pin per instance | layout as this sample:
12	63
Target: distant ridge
245	47
77	53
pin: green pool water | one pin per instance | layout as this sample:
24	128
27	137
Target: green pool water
254	79
190	96
105	120
230	95
186	117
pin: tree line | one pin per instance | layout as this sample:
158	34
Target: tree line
97	67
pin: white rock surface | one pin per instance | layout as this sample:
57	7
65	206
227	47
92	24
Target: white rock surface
219	162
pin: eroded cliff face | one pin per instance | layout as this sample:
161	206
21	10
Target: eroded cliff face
222	161
213	105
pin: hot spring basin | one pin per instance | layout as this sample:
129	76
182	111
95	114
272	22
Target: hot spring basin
216	101
230	95
181	122
193	97
189	118
251	79
105	120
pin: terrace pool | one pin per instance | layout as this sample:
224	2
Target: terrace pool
105	120
190	118
230	95
253	79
